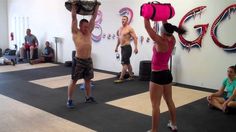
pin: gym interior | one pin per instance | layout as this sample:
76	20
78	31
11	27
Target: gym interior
33	98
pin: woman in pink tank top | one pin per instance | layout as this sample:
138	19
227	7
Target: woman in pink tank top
161	77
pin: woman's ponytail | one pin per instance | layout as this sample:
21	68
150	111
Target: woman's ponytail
169	29
179	30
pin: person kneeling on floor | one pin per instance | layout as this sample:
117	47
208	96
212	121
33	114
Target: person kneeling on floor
228	101
47	55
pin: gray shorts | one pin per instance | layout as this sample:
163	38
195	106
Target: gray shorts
83	69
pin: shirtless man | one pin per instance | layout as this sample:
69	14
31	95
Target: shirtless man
125	33
83	46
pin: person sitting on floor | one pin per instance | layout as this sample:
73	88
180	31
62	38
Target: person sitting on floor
5	61
30	44
229	101
47	55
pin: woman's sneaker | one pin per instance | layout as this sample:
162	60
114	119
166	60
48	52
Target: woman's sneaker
70	104
172	127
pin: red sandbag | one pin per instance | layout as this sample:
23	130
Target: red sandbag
157	11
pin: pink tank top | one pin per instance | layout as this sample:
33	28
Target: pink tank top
160	59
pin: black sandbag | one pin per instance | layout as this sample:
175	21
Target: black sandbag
84	7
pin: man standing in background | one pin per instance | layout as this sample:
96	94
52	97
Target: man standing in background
125	34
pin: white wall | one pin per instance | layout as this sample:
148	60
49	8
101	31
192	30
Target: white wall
204	66
47	19
3	25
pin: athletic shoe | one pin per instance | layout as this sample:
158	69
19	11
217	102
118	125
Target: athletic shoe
70	104
31	62
130	78
172	127
90	100
119	81
13	62
20	60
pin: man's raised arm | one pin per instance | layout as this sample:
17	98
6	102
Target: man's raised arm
74	25
93	18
